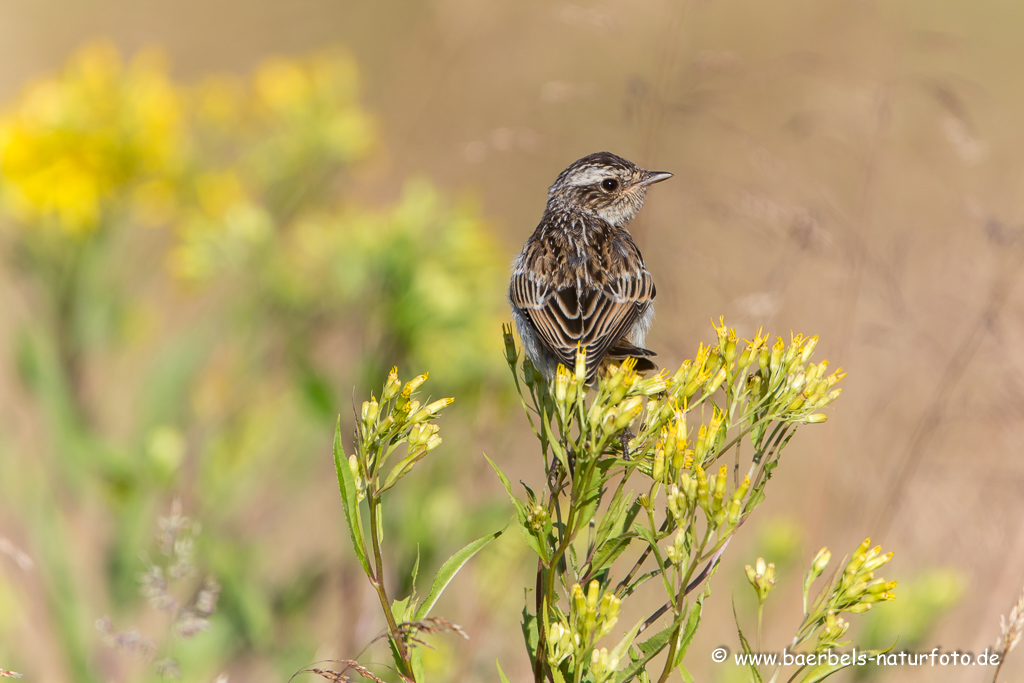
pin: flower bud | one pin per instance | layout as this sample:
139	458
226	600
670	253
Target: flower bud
628	412
762	577
590	609
658	469
876	559
688	486
715	382
676	502
511	352
391	386
408	390
882	586
369	412
414	384
736	504
530	375
609	614
677	553
702	487
679	378
730	347
808	349
430	410
560	386
775	364
581	365
537	517
402	414
420	434
821	561
722	481
579	601
652	386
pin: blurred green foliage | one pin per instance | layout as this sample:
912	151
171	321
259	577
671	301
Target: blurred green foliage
204	281
924	600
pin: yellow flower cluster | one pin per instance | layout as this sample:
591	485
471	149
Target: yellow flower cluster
73	146
854	590
276	138
107	141
593	616
397	418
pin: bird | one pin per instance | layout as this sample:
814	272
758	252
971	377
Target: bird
580	280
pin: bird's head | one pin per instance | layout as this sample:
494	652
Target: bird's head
605	185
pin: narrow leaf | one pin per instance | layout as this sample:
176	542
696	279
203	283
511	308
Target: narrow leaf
501	674
350	500
536	543
690	630
755	674
648	649
449	569
416	663
402	468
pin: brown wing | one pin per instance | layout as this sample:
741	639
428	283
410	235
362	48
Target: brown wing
594	317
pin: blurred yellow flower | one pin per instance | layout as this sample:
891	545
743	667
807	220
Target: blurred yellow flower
73	143
219	100
282	84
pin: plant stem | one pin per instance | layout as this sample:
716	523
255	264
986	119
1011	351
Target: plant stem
378	584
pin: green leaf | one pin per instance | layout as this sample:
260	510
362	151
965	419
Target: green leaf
648	649
648	535
536	544
380	522
612	540
350	500
530	635
402	468
609	552
555	444
416	662
618	518
501	674
745	645
690	630
400	610
450	568
508	486
627	640
415	569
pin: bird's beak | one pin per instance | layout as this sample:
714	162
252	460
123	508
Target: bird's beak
652	177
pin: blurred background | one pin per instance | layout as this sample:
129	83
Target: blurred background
222	223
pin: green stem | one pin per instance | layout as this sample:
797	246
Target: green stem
378	584
760	613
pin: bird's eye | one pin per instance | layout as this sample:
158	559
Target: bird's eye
610	184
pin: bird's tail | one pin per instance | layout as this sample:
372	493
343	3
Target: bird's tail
623	350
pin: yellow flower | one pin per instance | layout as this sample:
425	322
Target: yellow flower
73	145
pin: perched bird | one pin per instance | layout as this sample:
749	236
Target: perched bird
580	280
